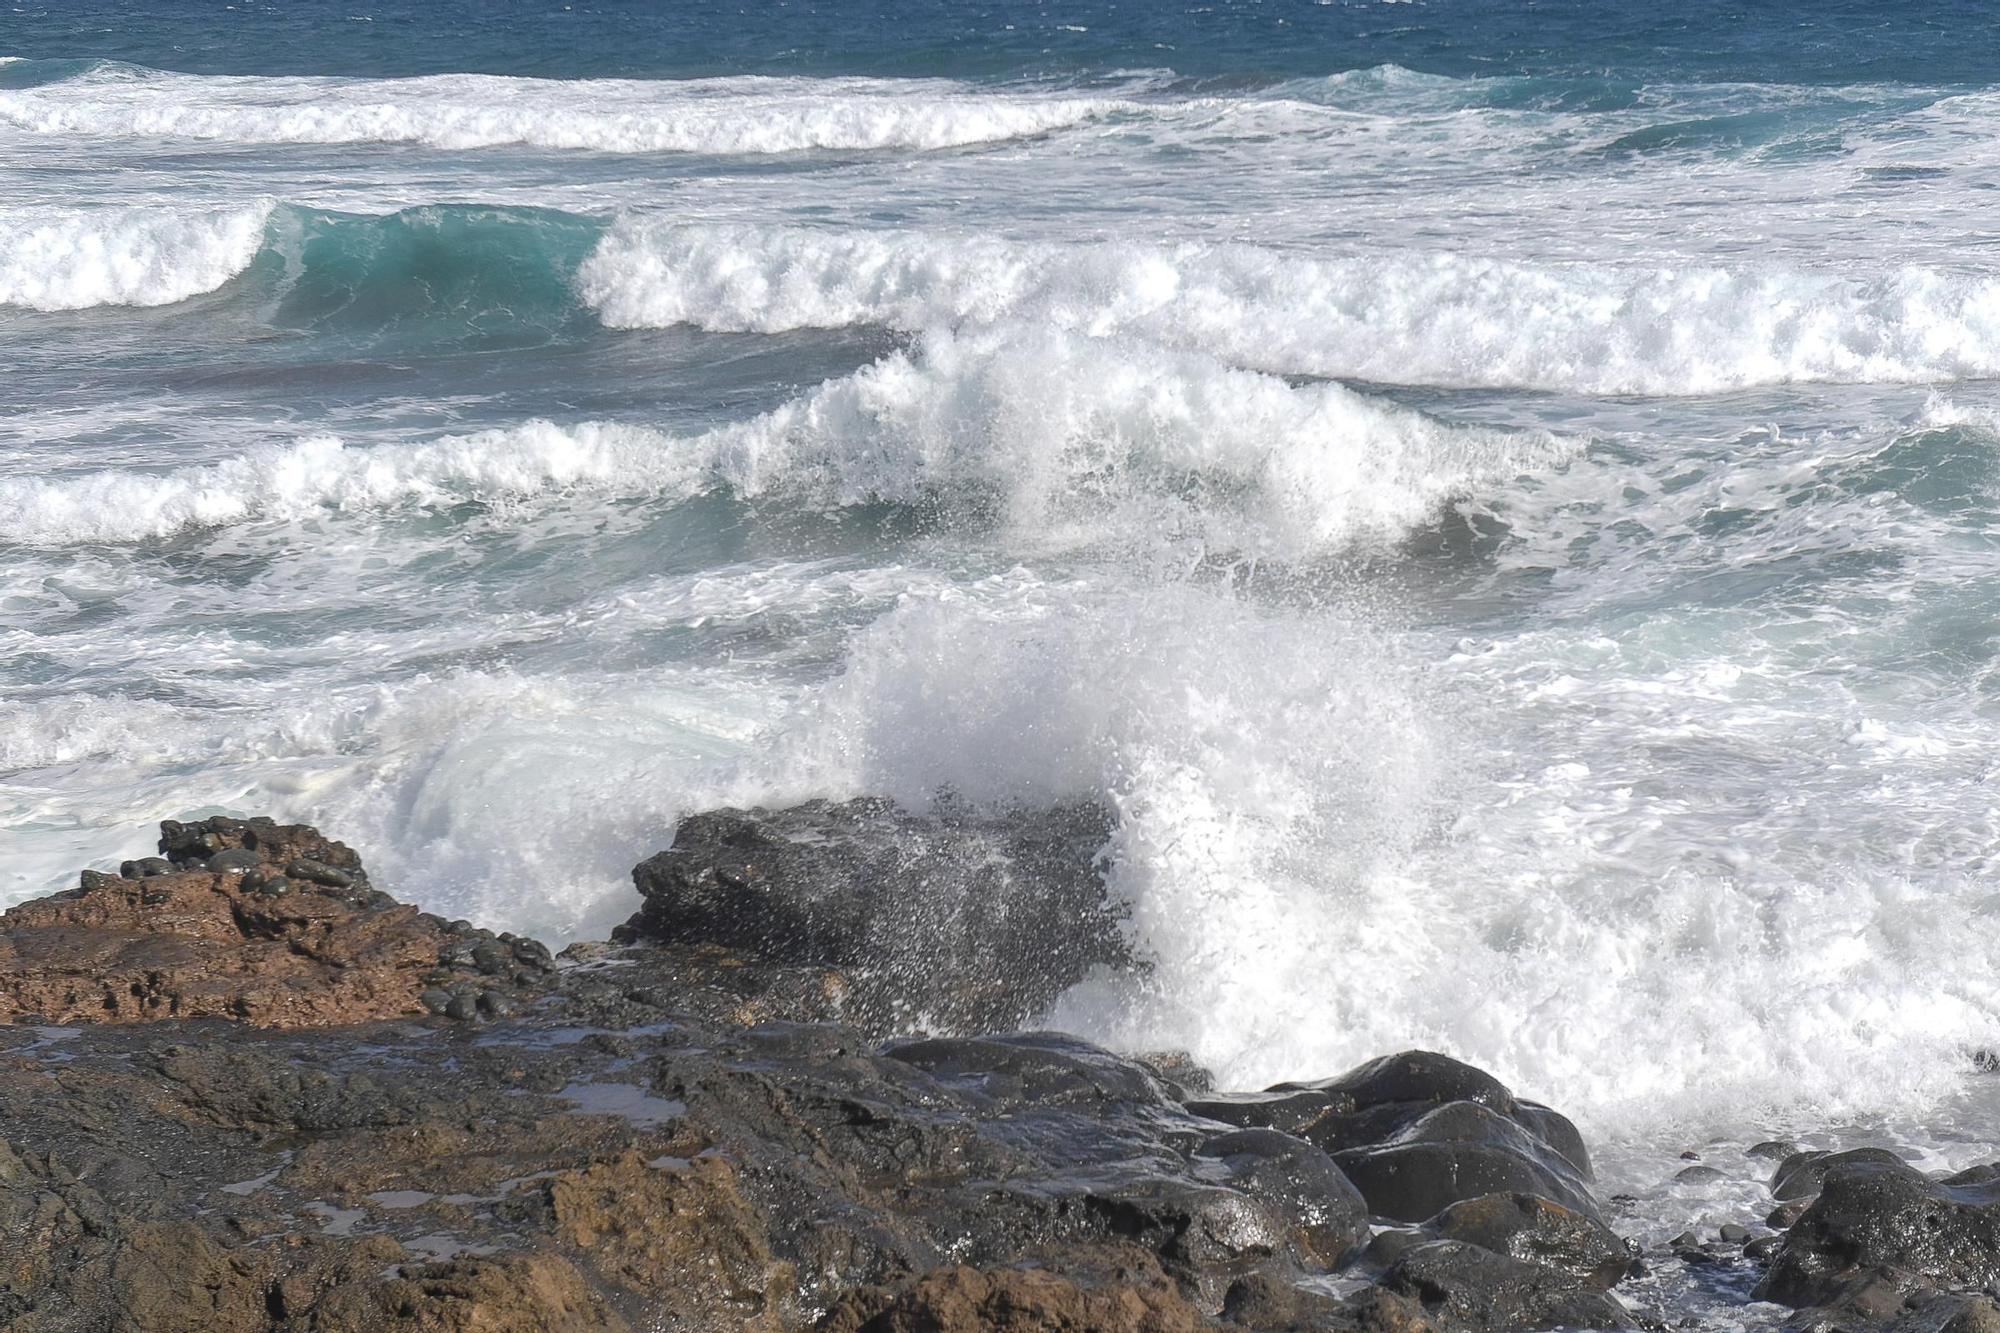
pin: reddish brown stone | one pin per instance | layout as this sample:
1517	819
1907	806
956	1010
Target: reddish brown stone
195	943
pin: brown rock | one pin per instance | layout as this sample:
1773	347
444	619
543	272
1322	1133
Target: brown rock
971	1300
196	943
534	1293
680	1232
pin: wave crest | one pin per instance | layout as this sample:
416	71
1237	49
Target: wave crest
75	259
1057	437
727	116
1398	317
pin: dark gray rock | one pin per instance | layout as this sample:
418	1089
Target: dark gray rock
1299	1182
1470	1287
318	872
1420	1131
979	921
1538	1231
1800	1175
1881	1225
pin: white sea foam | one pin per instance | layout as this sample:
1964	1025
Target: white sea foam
1333	847
1392	316
1057	428
74	259
466	111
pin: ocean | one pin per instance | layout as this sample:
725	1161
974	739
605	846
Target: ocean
1501	499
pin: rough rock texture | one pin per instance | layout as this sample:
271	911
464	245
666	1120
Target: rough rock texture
1010	907
678	1138
969	1300
1883	1240
273	924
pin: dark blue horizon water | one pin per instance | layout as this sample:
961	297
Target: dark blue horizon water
1788	41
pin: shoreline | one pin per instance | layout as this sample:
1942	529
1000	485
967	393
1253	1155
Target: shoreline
242	1087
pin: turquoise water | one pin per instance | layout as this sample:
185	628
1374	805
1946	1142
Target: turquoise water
1499	498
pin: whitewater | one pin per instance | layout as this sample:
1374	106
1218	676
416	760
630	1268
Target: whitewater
1511	539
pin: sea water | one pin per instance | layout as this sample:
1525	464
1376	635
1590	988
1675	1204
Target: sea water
1501	500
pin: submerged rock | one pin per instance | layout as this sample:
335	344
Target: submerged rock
973	922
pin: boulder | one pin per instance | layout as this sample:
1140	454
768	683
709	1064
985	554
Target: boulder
1419	1131
1881	1231
968	922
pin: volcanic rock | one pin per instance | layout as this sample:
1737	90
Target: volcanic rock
211	937
681	1135
971	921
1881	1232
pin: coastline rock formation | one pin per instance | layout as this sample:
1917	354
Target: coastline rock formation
269	923
241	1088
1009	908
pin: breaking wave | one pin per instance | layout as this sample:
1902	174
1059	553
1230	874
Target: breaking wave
1052	435
723	116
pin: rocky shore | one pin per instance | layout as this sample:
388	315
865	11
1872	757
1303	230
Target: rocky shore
242	1087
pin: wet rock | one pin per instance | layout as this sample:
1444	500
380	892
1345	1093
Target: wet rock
1460	1151
1537	1231
1951	1314
1419	1131
492	958
1800	1175
674	1135
221	933
1785	1214
971	1300
1772	1150
682	1235
1879	1226
978	920
318	872
1468	1286
1298	1182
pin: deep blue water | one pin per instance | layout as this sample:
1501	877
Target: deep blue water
1789	41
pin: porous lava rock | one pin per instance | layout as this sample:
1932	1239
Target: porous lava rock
273	924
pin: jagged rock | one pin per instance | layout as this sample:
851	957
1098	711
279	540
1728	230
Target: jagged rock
976	922
629	1151
970	1300
1881	1231
212	936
